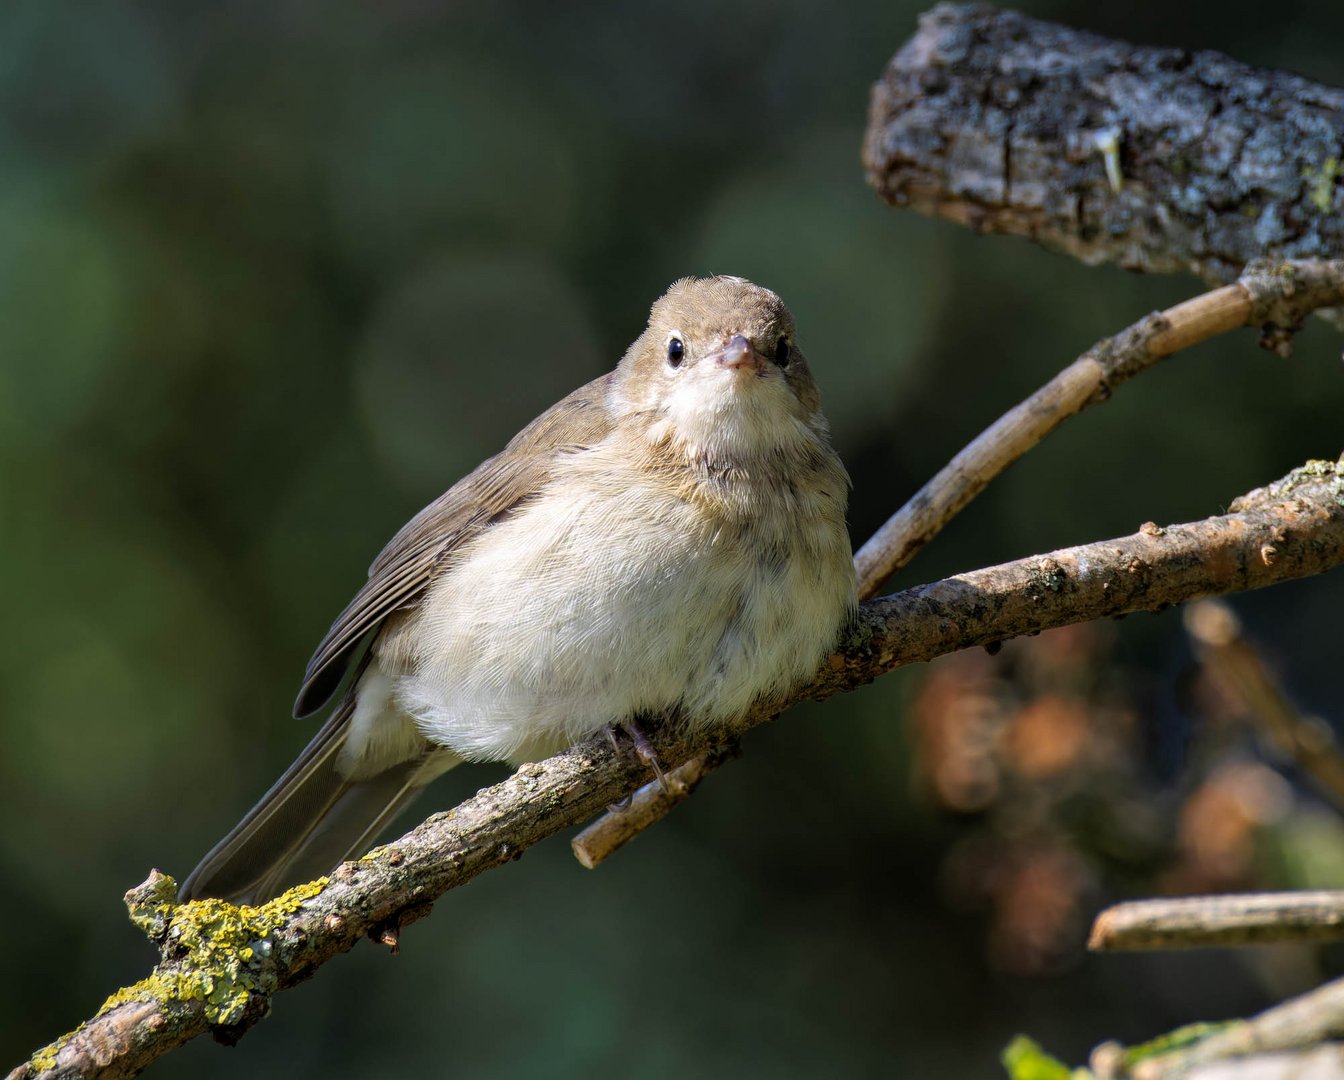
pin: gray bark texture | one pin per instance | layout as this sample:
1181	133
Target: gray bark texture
1002	123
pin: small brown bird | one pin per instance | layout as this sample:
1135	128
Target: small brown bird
668	541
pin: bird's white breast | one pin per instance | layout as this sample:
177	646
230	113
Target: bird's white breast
615	593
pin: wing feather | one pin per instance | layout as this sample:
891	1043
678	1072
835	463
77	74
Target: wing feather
405	567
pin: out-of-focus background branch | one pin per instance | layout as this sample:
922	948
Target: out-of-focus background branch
273	278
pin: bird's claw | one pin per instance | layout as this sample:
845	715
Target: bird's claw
644	751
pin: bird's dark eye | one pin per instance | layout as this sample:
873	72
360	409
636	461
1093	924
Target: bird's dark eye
676	352
782	351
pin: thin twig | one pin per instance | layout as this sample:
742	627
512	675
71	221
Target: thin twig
650	804
1238	668
245	955
1201	922
1276	296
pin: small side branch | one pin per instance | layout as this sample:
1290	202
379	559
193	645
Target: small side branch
1199	922
649	805
1157	159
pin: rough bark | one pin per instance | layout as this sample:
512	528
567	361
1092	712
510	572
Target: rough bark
1008	124
1293	528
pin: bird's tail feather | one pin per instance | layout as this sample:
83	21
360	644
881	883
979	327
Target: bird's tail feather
311	819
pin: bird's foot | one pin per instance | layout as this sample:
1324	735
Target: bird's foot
643	750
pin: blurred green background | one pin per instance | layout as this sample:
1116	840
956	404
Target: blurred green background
273	275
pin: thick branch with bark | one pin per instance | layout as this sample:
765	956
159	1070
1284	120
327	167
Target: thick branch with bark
222	964
1158	159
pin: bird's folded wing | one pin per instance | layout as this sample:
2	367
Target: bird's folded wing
404	568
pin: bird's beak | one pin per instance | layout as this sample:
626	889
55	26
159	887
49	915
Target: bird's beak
738	353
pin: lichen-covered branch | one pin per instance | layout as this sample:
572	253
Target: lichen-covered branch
1204	922
221	964
1300	1022
1157	159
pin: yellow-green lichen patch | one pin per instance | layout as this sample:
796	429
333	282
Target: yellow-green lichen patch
1321	184
45	1059
1174	1040
218	953
152	904
1023	1059
1316	470
1313	472
160	986
150	989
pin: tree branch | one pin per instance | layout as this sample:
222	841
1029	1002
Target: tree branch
221	964
1010	125
1301	517
1202	922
